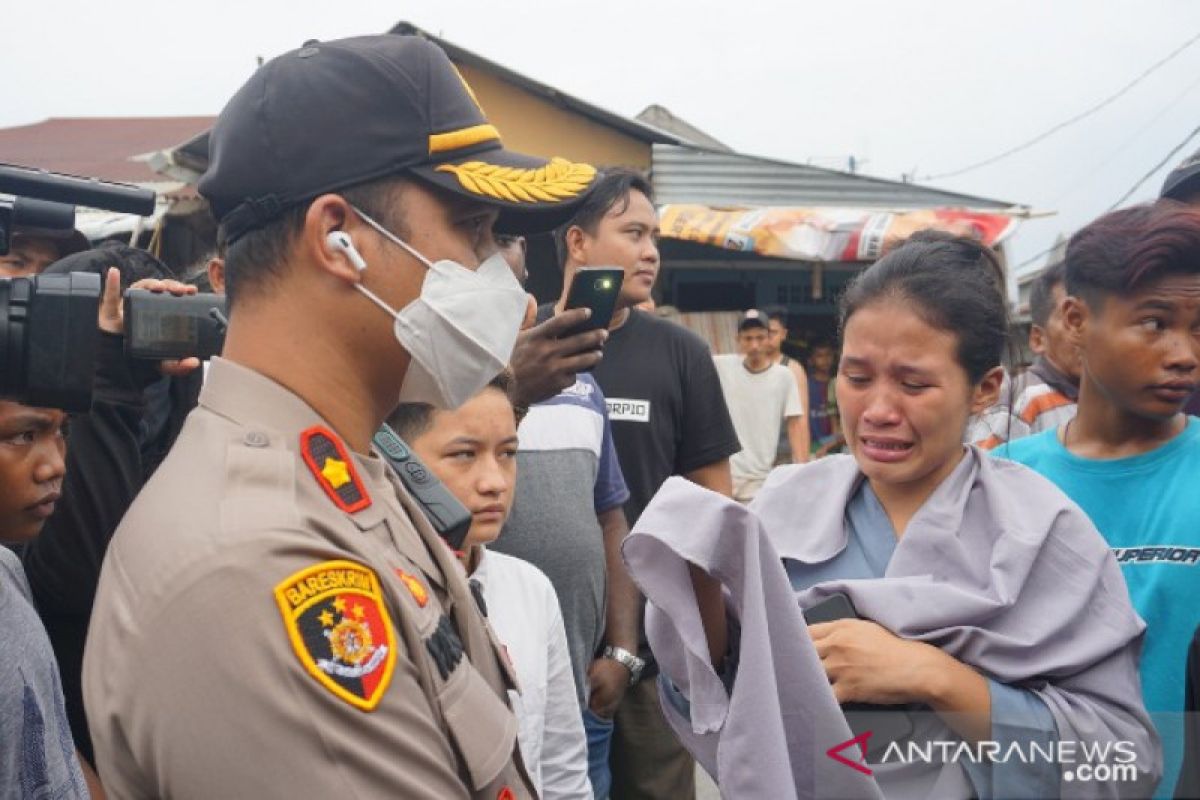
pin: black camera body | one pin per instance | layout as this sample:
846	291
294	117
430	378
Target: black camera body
48	334
159	325
48	339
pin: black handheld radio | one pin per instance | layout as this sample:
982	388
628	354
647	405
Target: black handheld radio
449	517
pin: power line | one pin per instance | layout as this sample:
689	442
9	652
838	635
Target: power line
1153	170
1096	169
1082	115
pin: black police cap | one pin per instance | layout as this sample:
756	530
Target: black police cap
331	115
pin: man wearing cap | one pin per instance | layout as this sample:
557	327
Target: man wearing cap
1183	185
761	396
275	615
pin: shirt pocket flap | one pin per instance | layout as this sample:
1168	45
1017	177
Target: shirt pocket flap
482	726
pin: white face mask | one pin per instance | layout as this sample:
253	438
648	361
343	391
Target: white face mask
460	331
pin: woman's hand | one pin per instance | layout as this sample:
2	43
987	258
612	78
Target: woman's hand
866	663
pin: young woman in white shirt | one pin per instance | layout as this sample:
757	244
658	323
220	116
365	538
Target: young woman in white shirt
473	451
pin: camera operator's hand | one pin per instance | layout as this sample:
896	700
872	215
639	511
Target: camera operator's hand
112	313
544	364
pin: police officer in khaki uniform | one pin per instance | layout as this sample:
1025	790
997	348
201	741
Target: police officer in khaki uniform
275	616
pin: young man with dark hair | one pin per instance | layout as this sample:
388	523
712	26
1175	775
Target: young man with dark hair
275	570
31	252
764	402
777	333
825	435
1130	457
37	756
59	507
668	418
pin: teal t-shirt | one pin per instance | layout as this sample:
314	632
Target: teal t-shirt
1148	509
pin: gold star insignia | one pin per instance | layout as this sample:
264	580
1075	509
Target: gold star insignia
339	605
326	618
358	611
336	472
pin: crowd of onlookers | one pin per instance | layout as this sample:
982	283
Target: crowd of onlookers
1060	610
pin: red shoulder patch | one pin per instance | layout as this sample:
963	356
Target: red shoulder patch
333	468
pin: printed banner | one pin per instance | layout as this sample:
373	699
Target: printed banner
822	234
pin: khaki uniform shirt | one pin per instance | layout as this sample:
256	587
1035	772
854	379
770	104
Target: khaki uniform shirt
275	618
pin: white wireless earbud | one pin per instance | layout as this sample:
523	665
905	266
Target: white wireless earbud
340	240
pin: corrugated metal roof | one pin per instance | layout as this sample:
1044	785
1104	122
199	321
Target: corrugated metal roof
689	175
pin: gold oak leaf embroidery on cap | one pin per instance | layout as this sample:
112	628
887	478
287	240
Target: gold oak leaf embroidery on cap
559	180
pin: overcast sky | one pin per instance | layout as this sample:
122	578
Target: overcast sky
924	86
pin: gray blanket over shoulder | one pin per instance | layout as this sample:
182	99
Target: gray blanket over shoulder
998	568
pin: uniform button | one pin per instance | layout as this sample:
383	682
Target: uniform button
256	439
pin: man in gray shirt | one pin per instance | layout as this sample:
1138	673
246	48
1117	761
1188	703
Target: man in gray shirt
37	756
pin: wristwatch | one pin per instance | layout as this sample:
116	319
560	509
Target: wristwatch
628	660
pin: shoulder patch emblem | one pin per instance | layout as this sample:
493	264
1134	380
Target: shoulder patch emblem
337	621
329	463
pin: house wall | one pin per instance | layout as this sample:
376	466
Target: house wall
533	125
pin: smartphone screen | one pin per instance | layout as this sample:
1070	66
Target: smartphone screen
834	607
596	288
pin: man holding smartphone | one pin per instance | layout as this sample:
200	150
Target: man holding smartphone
668	418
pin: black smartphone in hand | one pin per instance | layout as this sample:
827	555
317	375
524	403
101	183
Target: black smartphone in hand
887	724
834	607
596	288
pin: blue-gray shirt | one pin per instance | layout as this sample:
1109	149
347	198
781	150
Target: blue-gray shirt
37	755
1017	715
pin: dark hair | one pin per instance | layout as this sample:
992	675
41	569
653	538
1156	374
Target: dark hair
411	421
954	284
1125	250
258	258
611	189
133	263
1041	294
777	313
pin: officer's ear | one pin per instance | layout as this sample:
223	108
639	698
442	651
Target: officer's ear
216	274
320	245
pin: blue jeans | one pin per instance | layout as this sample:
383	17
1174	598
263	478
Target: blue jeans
599	740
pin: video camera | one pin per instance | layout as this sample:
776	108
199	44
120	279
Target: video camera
48	332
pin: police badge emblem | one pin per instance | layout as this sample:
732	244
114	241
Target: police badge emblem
338	624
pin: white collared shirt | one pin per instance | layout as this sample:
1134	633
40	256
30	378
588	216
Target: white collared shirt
523	611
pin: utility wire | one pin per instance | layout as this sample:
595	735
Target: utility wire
1165	160
1155	169
1097	169
1080	116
